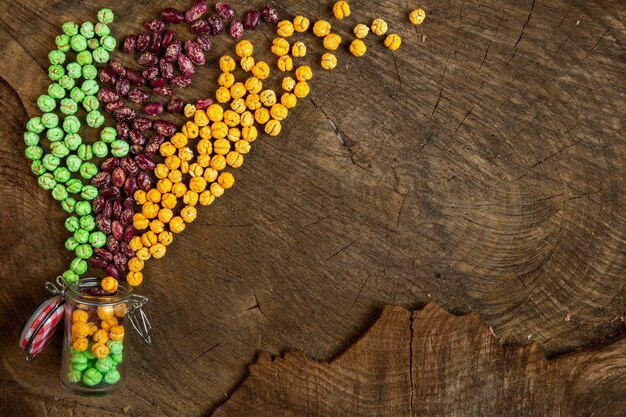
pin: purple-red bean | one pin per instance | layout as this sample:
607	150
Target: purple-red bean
168	37
110	164
118	177
101	179
148	59
118	68
153	109
103	223
103	253
270	14
122	130
186	66
157	83
145	162
172	16
196	11
205	43
155	25
135	77
200	27
167	69
165	128
175	105
118	207
97	262
204	103
144	41
107	75
144	181
107	95
142	124
236	29
130	186
136	95
151	73
137	138
122	86
112	271
130	44
217	26
97	204
111	107
163	91
194	52
224	11
181	81
129	166
173	51
251	19
125	114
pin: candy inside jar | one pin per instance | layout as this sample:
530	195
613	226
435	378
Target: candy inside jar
95	348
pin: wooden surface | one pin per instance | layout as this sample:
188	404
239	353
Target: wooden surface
481	166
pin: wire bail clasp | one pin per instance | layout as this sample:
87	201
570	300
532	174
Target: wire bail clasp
59	288
138	318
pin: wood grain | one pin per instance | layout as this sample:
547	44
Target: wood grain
480	166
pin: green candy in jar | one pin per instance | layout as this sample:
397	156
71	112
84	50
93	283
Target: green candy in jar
71	244
37	167
46	181
74	70
71	124
120	148
90	72
108	134
83	208
84	152
74	186
87	222
97	239
63	42
105	365
84	57
56	57
77	94
70	276
117	357
89	192
68	106
59	193
92	377
34	125
88	170
68	205
46	103
100	55
56	91
89	354
90	87
95	119
72	224
70	28
51	162
55	134
112	377
100	149
105	16
102	29
84	252
50	120
62	175
115	346
108	43
79	266
31	139
74	376
59	149
91	103
93	43
67	83
78	361
78	43
87	30
73	163
55	72
33	152
72	141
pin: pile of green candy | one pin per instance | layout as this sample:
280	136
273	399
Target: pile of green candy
85	367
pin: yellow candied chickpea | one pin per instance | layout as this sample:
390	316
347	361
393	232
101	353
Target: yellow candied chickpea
135	265
206	198
253	101
219	130
80	329
158	251
393	42
106	324
99	350
358	48
80	315
341	10
379	27
189	214
105	312
172	162
150	210
167	149
135	243
238	105
329	61
321	28
302	89
227	64
165	215
210	174
222	95
140	222
247	119
285	28
243	147
301	24
226	180
175	176
279	112
238	90
298	50
120	310
140	197
200	118
157	226
273	127
304	73
204	160
268	98
154	195
109	284
177	225
247	63
191	130
80	344
250	133
117	333
244	48
179	189
261	70
218	162
134	279
101	336
166	238
191	198
184	167
285	63
332	41
195	170
231	118
217	190
164	185
93	328
205	132
361	31
254	85
289	100
417	16
280	46
234	134
288	84
197	184
221	146
262	115
161	171
234	159
226	79
169	201
149	238
215	112
189	110
179	140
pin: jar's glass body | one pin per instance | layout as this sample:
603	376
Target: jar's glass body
95	342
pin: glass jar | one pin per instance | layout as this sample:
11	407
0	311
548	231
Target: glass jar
95	342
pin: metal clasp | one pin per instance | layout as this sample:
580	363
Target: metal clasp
138	318
53	289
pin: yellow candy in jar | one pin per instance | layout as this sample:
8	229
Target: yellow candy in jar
92	328
100	350
120	309
109	284
117	333
80	329
101	336
105	312
107	324
80	315
80	344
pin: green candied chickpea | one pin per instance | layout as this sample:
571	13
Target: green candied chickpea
72	224
120	148
56	57
78	43
93	43
100	149
68	106
88	170
67	83
37	167
105	365
81	236
50	162
90	87
70	28
74	377
95	119
71	124
115	346
56	91
55	134
69	204
92	377
91	103
62	175
90	355
85	152
112	377
84	251
117	357
31	139
70	277
100	55
102	29
108	134
87	30
74	186
73	163
50	120
105	16
59	193
34	125
47	181
74	70
88	222
84	58
108	43
63	42
78	361
89	72
97	239
79	266
72	141
89	192
71	244
77	94
46	103
59	149
83	208
55	72
33	152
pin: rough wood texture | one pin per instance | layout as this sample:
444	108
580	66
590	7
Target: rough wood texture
430	363
480	166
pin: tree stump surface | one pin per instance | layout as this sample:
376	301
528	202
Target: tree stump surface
481	166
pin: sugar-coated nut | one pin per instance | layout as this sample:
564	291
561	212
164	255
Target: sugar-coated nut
135	243
80	315
165	185
177	225
210	174
273	127
304	73
175	176
217	190
109	284
215	112
321	28
80	344
161	171
226	180
80	329
206	198
189	213
226	79
298	50
288	84
268	97
222	95
149	238
417	16
341	9
117	333
393	42
221	147
190	130
158	250
231	118
135	265
247	119
280	46
205	146
140	197
285	63
361	31
169	201
234	134
219	130
191	198
332	41
253	101
218	162
285	28
154	195
379	27
105	312
238	105
238	90
261	70
134	279
250	133
234	159
289	100
100	350
166	238
172	162
227	64
242	146
262	116
195	170
279	112
150	209
247	63
100	336
198	184
140	222
254	85
167	149
302	89
189	110
301	24
244	48
358	48
165	215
